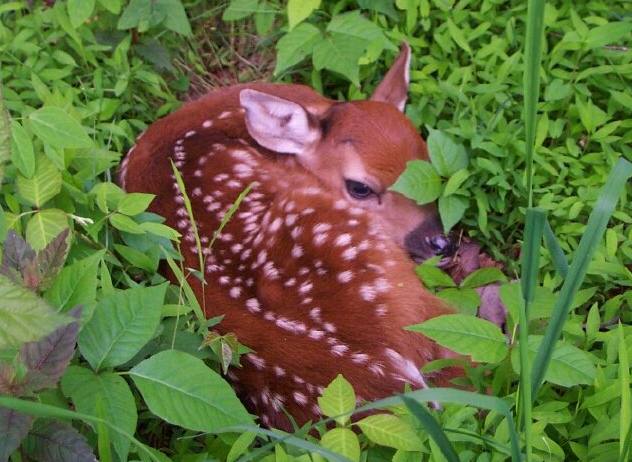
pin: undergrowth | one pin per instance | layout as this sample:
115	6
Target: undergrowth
82	78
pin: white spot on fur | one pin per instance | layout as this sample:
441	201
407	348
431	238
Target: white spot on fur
252	304
345	276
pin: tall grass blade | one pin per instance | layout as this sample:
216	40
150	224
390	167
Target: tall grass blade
593	234
46	410
432	427
531	83
186	287
534	227
625	419
560	262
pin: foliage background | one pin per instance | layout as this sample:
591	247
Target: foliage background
82	78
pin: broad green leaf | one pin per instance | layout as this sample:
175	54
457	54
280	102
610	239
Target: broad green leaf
482	277
160	230
114	6
79	11
342	441
76	284
451	210
295	46
24	317
590	115
419	182
455	181
196	398
43	185
175	16
239	9
122	323
446	156
340	53
389	430
338	398
134	203
432	277
86	389
480	339
608	34
466	301
54	126
44	226
299	10
569	366
22	153
126	224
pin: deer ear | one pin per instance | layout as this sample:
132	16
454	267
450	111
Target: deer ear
278	124
394	87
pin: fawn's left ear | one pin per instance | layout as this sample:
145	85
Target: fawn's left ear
394	87
277	123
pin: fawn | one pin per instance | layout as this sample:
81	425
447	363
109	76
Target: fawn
314	271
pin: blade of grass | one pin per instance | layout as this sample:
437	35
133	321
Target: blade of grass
231	211
188	291
534	226
46	410
558	257
593	234
432	427
531	83
624	377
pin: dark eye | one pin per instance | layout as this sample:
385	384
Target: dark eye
358	190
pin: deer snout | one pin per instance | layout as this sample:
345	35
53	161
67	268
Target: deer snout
428	240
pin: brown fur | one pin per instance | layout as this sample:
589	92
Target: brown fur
368	312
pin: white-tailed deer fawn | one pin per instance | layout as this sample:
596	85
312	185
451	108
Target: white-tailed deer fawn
314	270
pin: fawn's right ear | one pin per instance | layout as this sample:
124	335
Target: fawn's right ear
277	123
394	86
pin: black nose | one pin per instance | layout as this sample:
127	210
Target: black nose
439	244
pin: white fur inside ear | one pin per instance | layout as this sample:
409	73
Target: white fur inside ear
276	123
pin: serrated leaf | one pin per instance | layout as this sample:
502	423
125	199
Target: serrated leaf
392	431
134	203
76	284
44	226
50	259
87	389
432	277
18	259
466	301
55	127
24	317
125	223
79	11
53	441
451	210
419	182
13	427
47	359
295	46
22	153
569	365
196	398
446	156
122	323
342	441
299	10
464	334
43	185
338	398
